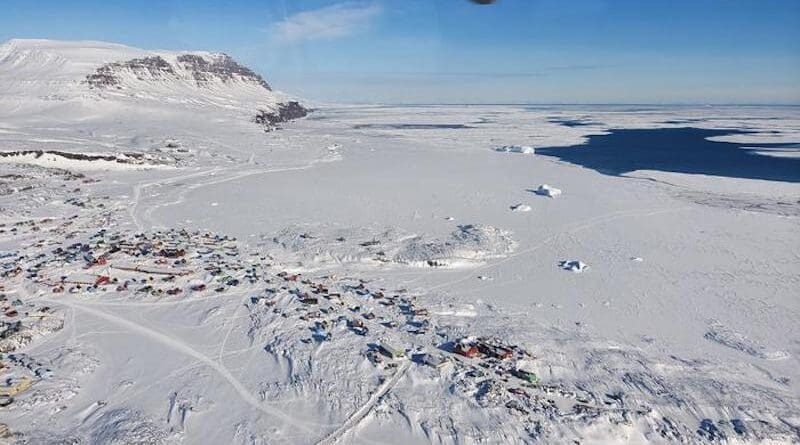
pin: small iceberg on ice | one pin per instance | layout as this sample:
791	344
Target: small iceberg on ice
546	190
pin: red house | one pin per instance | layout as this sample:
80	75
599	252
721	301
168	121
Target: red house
466	350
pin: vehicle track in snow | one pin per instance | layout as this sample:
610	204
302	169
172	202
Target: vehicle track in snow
186	349
361	413
210	177
148	212
136	199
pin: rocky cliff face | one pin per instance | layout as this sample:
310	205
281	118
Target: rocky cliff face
221	66
107	76
200	69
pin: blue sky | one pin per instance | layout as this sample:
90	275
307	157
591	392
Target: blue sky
453	51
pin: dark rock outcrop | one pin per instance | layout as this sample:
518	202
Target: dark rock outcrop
121	158
285	112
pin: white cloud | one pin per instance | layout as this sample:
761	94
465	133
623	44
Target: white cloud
330	22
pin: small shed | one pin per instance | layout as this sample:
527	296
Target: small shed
528	376
171	252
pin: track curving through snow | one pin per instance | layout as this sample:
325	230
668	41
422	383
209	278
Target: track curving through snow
186	349
360	414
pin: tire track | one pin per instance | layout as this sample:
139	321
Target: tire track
360	414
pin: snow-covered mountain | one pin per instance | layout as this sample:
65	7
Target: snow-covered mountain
47	73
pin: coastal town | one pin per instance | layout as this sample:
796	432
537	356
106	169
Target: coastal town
391	325
179	263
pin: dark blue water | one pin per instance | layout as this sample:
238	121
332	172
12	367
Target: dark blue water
679	150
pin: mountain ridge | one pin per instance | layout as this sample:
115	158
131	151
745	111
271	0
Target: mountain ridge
57	70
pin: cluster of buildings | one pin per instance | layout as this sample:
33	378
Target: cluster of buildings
394	325
20	323
168	263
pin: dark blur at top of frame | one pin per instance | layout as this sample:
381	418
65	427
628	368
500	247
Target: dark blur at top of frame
483	2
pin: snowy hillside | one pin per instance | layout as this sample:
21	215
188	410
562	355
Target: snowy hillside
41	74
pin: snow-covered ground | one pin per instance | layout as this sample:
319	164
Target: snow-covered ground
254	276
